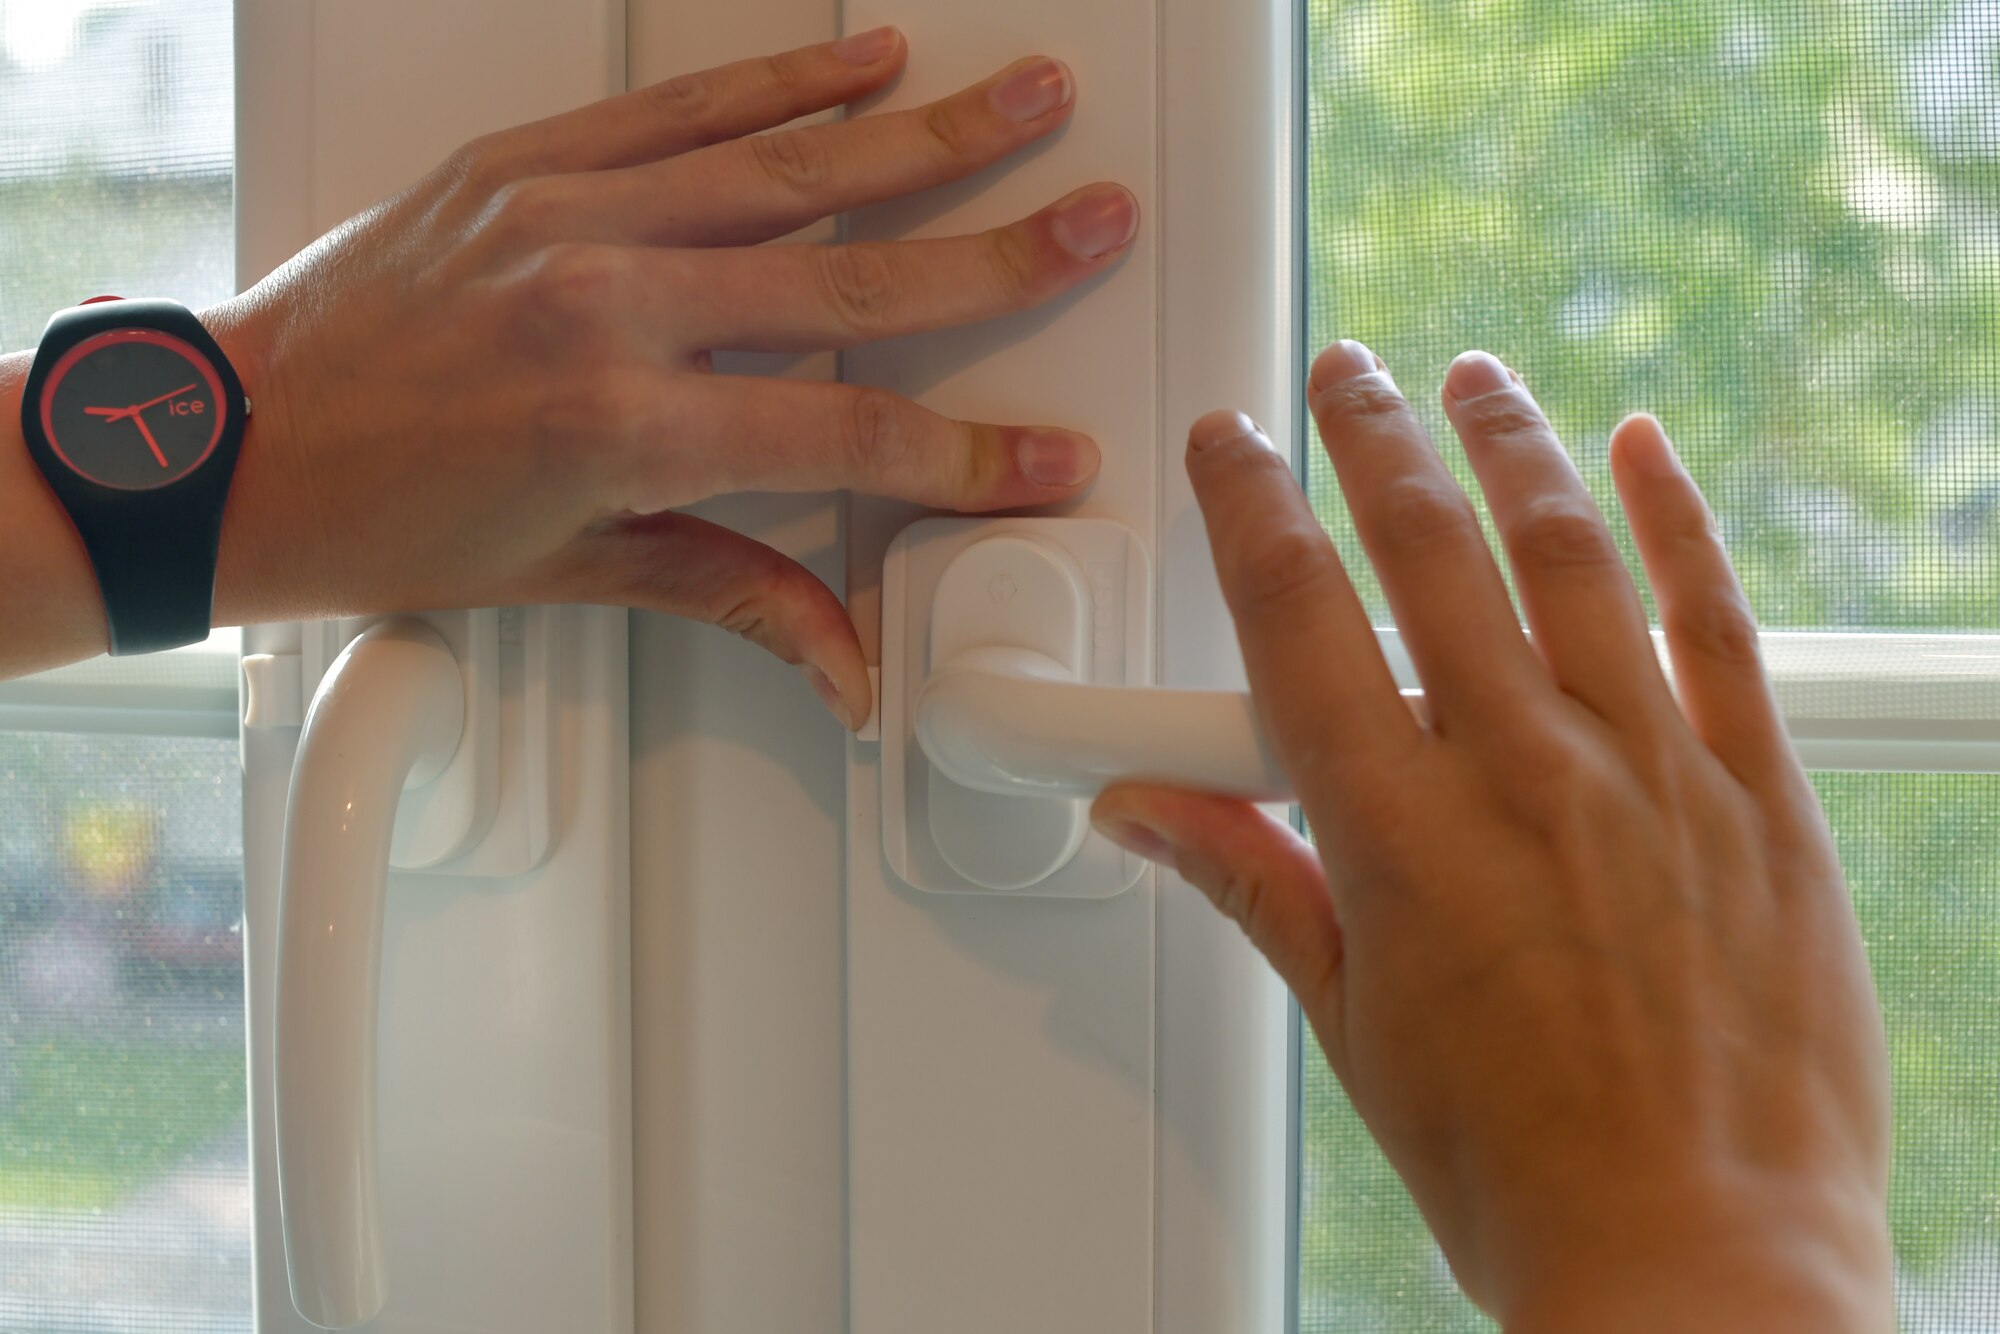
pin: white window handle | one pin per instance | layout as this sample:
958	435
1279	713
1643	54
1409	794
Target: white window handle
1001	720
388	715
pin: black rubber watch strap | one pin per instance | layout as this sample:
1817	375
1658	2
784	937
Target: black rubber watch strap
158	578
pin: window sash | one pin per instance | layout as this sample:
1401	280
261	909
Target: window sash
1917	702
1908	702
184	692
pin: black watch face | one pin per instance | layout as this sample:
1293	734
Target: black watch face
132	409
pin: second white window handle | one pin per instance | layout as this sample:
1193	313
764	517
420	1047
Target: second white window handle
388	714
990	721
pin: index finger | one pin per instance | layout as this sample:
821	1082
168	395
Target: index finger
1326	697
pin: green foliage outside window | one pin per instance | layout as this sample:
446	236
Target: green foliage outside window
1774	223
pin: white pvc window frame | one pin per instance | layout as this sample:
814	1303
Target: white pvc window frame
1232	335
185	692
1890	701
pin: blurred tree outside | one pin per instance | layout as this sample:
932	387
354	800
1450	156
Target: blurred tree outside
1774	223
121	985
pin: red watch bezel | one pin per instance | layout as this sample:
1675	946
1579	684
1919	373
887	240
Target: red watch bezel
97	342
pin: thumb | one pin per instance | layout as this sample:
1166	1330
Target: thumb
687	566
1254	868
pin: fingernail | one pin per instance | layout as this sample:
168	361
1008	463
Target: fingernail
1052	458
1136	838
1038	87
1345	360
1475	375
1655	455
828	696
865	48
1219	428
1095	221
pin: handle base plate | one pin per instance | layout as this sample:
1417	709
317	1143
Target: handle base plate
1078	591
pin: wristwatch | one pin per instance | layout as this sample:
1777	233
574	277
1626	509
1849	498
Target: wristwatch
135	416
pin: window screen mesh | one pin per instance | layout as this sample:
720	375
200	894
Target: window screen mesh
1776	224
124	1160
117	147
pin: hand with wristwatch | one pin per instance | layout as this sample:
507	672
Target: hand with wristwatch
498	388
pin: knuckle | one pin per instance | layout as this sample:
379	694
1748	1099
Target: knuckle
1554	777
1239	893
469	157
783	72
1560	534
762	591
471	162
946	131
484	165
592	411
688	98
1367	398
1016	265
525	209
1420	515
877	432
746	616
1507	419
793	160
575	282
1284	567
1690	525
860	285
1260	469
1720	627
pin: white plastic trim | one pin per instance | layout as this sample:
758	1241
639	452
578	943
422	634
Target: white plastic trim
1862	701
184	692
1230	335
1077	594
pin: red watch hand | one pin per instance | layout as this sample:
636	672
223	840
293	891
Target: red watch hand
109	414
146	431
141	407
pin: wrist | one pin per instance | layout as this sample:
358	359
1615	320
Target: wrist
260	573
1816	1265
53	607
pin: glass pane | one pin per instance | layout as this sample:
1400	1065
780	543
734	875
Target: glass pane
1775	223
1922	853
124	1170
117	147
